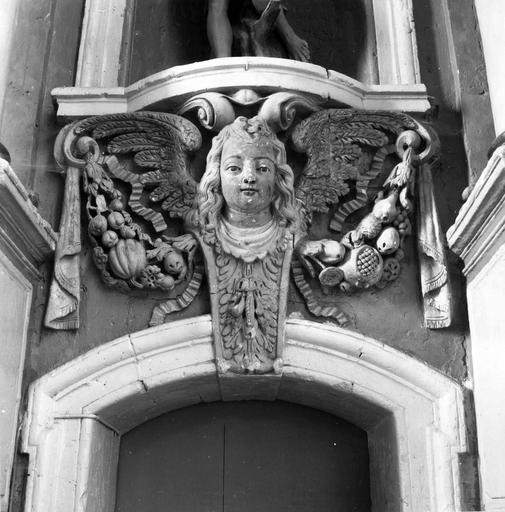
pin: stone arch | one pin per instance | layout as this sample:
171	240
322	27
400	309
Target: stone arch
413	415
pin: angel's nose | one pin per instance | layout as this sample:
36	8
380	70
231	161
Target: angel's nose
249	173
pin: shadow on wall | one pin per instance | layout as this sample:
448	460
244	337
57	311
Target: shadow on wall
340	34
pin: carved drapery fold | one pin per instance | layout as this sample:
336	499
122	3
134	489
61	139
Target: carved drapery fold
64	297
432	260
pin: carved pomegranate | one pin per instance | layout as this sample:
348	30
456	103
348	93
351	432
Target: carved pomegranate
117	204
127	232
165	282
97	225
362	268
174	263
127	258
388	241
109	238
115	220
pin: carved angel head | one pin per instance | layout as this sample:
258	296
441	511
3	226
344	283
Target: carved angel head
247	172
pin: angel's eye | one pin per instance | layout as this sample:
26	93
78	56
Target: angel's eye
263	169
233	168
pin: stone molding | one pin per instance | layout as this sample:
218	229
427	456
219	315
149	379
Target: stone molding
475	234
7	25
396	42
26	240
176	85
413	415
25	237
101	38
478	236
16	293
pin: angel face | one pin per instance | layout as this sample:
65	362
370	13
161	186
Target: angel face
247	173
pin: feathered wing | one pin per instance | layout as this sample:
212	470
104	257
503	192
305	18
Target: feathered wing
346	149
160	143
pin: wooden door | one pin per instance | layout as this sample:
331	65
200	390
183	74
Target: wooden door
244	457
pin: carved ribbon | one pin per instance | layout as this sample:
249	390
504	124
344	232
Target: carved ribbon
63	305
432	260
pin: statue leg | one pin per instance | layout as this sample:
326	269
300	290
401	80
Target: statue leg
219	31
298	49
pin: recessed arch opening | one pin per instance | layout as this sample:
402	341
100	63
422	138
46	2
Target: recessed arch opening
412	414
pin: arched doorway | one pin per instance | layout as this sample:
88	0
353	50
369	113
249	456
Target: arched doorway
244	456
413	415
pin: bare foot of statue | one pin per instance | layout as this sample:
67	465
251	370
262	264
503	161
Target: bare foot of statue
298	49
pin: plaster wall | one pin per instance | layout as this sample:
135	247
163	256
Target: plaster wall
14	313
491	15
7	27
486	296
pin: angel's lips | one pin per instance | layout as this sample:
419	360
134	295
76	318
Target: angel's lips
249	191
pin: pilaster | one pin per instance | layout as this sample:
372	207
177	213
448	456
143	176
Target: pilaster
478	236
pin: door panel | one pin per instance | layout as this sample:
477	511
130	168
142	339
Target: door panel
244	457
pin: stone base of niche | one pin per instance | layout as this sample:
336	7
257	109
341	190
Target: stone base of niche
170	88
413	415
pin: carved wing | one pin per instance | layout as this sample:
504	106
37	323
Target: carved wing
346	149
123	250
160	143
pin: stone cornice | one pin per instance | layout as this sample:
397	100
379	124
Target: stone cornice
481	220
173	86
25	237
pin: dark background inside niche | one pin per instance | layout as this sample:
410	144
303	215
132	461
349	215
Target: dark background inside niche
244	457
340	34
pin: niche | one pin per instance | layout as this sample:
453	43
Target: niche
340	34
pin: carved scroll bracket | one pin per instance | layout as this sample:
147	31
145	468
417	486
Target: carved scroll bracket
279	110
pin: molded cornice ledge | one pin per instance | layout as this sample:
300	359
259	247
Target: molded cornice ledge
25	237
479	228
173	86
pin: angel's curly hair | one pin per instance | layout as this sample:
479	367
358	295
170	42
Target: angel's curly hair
210	198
